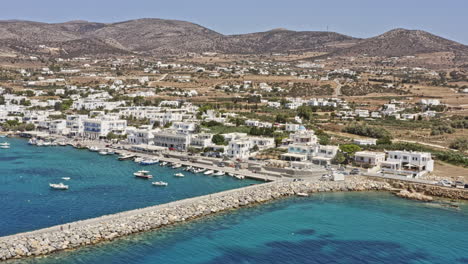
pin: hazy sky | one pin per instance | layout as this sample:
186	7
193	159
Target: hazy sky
358	18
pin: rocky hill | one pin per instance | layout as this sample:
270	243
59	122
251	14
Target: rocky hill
172	37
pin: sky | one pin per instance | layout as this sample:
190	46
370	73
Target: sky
357	18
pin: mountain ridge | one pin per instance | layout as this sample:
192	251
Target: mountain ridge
163	37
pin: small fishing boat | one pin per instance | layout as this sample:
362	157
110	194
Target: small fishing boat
66	178
126	157
143	174
62	144
149	162
188	168
46	144
106	152
200	170
4	144
32	141
179	175
5	147
59	186
302	194
2	136
138	159
218	173
176	166
93	149
160	183
208	172
163	164
239	177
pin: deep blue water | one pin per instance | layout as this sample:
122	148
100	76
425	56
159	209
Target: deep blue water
325	228
99	185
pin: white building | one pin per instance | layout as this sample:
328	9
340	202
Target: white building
369	158
95	128
172	140
407	163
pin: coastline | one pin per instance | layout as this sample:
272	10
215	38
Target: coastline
106	228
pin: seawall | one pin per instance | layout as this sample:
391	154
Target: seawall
109	227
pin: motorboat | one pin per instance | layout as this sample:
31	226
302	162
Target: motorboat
143	174
126	157
239	177
208	172
179	175
106	152
62	144
46	143
188	168
59	186
176	166
138	159
301	194
66	178
163	164
160	183
149	162
93	149
40	143
32	141
219	173
4	146
200	170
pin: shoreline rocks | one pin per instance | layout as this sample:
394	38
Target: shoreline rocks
110	227
414	196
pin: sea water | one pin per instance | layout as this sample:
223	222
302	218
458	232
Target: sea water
99	185
367	227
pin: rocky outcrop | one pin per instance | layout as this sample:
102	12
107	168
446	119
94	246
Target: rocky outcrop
92	231
431	190
414	196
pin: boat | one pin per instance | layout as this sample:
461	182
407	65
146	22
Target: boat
219	173
149	162
4	144
62	144
59	186
32	141
239	177
5	147
208	172
143	174
163	164
160	183
40	143
2	136
66	178
138	159
46	143
179	175
200	170
126	157
93	149
188	168
302	194
106	152
176	166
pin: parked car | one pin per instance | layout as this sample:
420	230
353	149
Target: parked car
355	171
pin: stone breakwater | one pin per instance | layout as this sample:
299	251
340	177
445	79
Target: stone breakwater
106	228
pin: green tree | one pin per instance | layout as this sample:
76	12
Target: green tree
218	139
460	144
339	158
350	149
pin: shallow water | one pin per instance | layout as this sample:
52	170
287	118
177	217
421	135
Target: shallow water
325	228
99	185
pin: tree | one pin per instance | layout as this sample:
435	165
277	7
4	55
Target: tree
280	118
350	149
339	158
384	141
460	144
278	141
255	148
218	139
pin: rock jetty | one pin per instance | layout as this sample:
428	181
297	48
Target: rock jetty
105	228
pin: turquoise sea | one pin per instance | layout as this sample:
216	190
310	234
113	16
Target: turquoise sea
367	227
99	185
325	228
